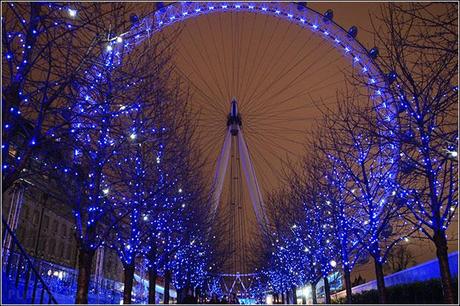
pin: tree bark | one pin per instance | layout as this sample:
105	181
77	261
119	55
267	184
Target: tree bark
294	295
152	282
166	286
347	277
327	290
313	293
380	281
282	298
128	283
85	262
440	242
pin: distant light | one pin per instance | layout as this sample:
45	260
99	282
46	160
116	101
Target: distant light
452	208
72	13
132	136
106	191
180	190
454	154
146	218
333	263
406	239
294	226
307	250
109	48
119	39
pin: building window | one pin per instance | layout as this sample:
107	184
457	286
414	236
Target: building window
35	218
63	230
26	213
46	222
68	251
52	248
42	245
61	250
55	226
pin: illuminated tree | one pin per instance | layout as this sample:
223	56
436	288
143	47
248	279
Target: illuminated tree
100	106
420	49
368	167
45	46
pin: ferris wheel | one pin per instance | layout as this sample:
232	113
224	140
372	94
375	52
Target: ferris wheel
277	64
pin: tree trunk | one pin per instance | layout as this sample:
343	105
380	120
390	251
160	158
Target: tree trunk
282	298
166	286
380	281
443	261
313	294
327	290
294	295
181	295
275	298
128	283
85	261
152	282
347	277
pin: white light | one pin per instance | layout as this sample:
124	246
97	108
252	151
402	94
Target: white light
180	190
109	48
406	239
119	39
132	136
72	13
146	218
452	208
294	226
307	250
123	107
128	247
453	153
105	191
333	263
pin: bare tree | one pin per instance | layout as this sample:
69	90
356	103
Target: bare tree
420	49
45	47
368	165
100	102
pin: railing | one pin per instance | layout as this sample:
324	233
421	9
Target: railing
62	282
18	270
